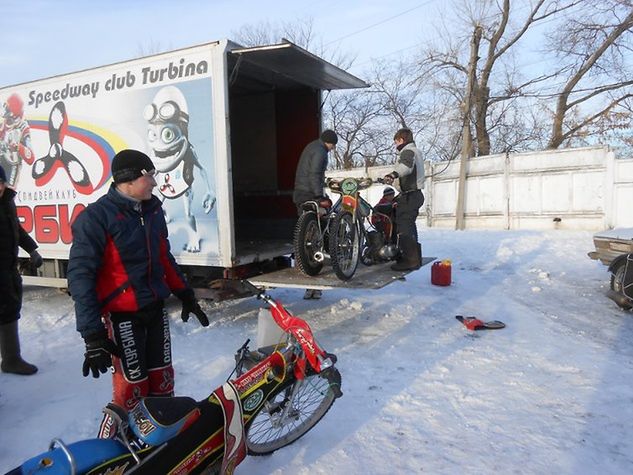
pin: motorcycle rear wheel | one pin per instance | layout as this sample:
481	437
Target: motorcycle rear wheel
307	242
345	246
268	432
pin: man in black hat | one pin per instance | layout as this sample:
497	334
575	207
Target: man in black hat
120	271
310	178
310	175
11	236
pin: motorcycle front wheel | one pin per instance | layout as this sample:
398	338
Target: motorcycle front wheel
285	417
307	242
345	245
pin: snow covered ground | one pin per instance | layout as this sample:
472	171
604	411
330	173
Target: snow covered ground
551	393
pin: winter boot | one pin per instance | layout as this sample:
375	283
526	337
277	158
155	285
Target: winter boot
12	362
312	294
410	255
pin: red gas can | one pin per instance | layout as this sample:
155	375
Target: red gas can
441	273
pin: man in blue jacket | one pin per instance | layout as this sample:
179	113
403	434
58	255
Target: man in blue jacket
120	271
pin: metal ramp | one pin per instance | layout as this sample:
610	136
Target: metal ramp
366	277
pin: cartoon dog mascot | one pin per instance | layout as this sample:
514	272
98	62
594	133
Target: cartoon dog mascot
174	156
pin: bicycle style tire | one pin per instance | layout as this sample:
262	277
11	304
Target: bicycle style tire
266	433
345	245
307	241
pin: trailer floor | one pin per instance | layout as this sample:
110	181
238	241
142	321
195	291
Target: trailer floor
366	277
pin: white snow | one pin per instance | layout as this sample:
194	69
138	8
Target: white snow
550	393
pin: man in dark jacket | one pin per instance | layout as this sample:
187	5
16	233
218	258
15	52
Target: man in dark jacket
310	178
120	271
11	236
310	175
409	171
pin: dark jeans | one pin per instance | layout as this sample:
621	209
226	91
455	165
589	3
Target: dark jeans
407	212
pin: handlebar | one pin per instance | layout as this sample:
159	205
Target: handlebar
334	184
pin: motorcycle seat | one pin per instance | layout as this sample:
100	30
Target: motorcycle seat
156	420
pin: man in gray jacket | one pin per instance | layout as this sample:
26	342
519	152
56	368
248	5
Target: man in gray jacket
409	170
310	176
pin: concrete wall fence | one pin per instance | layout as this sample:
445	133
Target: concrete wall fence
583	188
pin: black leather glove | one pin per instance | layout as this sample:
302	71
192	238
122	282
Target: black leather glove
36	259
191	305
98	355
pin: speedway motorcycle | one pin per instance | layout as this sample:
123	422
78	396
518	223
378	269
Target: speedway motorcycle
352	236
278	394
343	231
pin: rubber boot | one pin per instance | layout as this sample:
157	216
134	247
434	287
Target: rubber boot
409	256
12	362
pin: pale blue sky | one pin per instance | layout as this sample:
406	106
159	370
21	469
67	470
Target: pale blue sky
42	38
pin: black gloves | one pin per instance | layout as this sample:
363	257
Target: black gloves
36	259
191	305
97	357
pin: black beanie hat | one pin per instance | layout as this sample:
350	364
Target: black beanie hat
388	191
128	165
329	136
3	175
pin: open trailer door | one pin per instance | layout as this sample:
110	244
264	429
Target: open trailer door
275	108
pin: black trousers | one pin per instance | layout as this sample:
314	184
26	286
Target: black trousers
407	212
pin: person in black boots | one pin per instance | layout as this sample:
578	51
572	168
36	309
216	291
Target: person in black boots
410	173
11	236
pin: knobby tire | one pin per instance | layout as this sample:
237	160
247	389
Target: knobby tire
307	241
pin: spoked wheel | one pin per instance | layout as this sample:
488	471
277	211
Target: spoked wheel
344	246
307	243
617	283
286	416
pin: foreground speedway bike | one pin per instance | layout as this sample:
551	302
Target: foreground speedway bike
278	394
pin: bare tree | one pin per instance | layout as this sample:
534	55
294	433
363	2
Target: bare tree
356	118
502	28
595	48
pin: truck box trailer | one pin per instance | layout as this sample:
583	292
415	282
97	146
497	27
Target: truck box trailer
224	125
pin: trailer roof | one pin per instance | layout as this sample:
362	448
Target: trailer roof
287	64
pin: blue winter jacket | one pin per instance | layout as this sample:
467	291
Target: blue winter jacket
120	259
